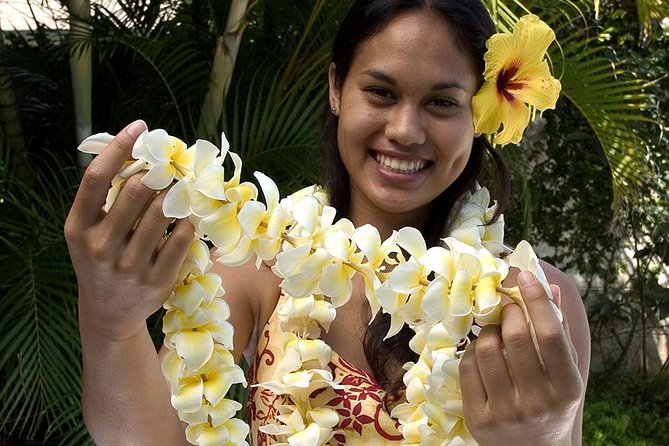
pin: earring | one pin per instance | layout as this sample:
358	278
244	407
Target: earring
333	111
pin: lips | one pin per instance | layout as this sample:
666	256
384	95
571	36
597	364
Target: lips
400	165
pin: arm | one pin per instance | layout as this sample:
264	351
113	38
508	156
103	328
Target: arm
125	271
508	396
124	274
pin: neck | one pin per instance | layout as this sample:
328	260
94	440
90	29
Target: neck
386	222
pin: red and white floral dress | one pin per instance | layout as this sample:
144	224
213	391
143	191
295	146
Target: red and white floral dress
363	419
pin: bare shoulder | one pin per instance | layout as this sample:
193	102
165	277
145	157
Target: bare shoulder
252	294
571	302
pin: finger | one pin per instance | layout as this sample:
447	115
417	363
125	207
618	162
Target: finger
492	366
556	295
574	353
128	207
173	252
148	232
474	397
98	176
523	360
551	336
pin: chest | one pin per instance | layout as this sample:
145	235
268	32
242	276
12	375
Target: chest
347	332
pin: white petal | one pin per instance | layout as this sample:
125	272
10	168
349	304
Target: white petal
435	301
95	144
210	182
188	397
250	217
195	347
412	241
269	189
307	437
305	213
159	176
205	154
524	258
176	204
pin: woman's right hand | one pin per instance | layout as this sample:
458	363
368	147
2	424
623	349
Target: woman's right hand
125	267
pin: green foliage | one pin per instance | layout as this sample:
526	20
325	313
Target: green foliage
627	411
152	60
39	343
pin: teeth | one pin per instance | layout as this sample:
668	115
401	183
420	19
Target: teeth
400	166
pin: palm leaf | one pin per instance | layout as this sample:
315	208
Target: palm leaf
611	101
650	12
39	338
594	81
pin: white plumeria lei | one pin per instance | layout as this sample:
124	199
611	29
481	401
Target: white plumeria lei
442	293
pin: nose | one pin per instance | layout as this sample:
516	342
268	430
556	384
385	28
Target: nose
404	126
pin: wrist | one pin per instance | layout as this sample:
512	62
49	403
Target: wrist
92	326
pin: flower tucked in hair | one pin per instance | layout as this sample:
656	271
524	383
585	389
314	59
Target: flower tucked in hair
517	75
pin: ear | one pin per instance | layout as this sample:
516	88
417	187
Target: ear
334	91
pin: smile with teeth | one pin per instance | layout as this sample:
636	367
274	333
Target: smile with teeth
398	165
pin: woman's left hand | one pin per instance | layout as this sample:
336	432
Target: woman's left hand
509	397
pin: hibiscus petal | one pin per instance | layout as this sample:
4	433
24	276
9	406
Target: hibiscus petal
516	118
487	115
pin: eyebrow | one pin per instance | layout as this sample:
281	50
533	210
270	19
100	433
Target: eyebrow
438	86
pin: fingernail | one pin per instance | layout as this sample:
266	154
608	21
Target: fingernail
526	278
136	128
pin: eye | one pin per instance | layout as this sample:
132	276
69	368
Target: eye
443	103
378	94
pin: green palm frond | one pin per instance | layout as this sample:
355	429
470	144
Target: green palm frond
650	12
39	340
275	111
275	133
152	58
608	97
611	101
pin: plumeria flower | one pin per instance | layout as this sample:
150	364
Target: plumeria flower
232	432
305	316
182	197
516	76
263	227
303	426
472	223
168	157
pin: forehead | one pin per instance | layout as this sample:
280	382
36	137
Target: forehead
417	43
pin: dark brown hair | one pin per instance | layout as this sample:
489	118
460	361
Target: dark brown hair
472	25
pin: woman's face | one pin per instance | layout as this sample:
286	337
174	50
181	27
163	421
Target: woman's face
405	120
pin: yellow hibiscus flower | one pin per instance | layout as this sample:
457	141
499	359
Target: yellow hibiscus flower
517	75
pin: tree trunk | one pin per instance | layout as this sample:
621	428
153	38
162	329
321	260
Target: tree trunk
10	123
227	47
81	70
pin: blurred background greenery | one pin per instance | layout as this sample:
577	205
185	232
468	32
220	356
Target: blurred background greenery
590	177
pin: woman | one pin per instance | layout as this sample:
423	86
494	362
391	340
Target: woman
401	151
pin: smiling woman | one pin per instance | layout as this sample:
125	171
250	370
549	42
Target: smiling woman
458	332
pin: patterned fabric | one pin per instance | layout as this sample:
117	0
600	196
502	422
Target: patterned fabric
362	417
